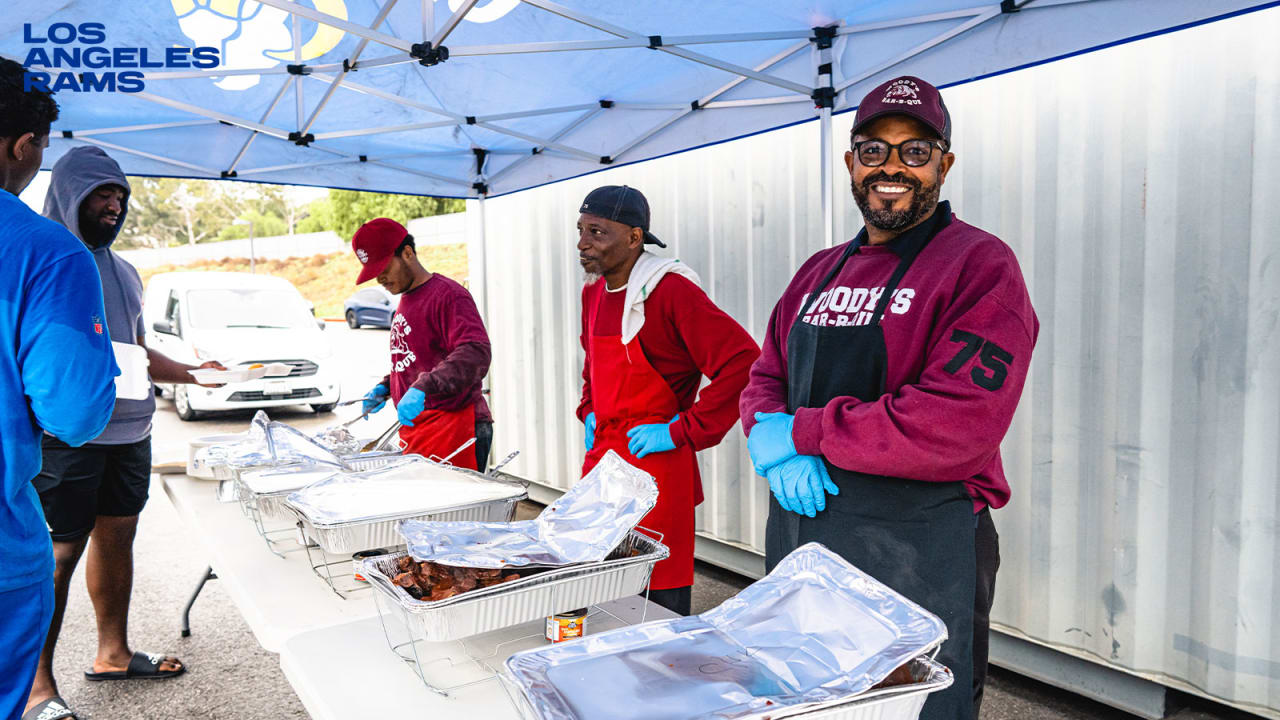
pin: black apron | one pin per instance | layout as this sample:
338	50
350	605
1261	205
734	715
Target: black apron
916	537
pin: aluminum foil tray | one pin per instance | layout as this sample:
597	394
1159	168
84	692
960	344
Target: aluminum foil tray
624	572
348	538
816	632
901	702
271	504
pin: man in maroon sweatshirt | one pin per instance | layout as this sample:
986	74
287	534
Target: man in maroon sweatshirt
439	351
890	372
650	334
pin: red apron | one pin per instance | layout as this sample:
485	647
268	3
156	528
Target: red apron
437	433
626	391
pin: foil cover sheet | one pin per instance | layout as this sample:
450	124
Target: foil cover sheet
815	631
414	487
288	478
268	443
584	525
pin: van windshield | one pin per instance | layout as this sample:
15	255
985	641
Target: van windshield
247	307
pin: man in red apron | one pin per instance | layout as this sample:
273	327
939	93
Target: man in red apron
650	334
439	351
889	375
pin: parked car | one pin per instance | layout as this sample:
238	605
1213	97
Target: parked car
238	318
370	306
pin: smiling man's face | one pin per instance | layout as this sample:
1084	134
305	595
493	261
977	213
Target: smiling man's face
894	197
100	214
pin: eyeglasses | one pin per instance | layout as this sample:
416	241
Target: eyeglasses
913	153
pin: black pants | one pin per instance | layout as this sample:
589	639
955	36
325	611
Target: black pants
677	600
484	440
986	543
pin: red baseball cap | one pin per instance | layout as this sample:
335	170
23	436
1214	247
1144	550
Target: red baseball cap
906	95
375	243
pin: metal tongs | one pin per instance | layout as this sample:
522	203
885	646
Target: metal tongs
382	439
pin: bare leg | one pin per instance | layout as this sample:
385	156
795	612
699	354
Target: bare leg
66	555
109	575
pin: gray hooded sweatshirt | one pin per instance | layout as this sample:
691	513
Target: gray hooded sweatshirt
77	174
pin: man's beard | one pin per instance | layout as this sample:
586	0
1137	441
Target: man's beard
923	200
95	233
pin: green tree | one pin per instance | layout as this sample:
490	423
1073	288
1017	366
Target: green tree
344	211
174	211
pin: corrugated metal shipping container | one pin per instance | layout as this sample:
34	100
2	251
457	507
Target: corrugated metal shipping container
1140	188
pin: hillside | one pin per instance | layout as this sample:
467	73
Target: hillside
327	280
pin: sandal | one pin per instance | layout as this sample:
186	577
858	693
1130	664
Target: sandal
142	666
55	708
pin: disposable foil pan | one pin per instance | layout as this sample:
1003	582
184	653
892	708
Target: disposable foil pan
271	504
901	702
347	538
815	633
624	572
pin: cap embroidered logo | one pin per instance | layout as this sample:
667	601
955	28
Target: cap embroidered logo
902	92
362	256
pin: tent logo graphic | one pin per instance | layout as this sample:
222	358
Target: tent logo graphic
252	36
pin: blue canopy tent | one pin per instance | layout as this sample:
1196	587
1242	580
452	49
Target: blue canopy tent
472	98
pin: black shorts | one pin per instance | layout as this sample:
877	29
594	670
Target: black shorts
77	484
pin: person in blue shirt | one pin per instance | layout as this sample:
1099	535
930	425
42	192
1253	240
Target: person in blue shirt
57	375
99	489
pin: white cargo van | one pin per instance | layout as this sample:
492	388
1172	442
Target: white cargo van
238	318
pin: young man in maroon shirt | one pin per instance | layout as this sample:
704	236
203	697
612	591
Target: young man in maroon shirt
650	334
890	373
439	351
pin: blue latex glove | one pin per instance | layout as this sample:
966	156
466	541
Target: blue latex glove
654	438
411	406
375	399
770	441
591	430
801	485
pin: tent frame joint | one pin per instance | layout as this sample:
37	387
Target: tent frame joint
68	134
301	140
606	104
298	69
481	188
229	174
606	160
655	42
824	37
824	97
1010	6
348	66
427	54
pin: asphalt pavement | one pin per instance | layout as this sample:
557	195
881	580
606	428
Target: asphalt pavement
231	677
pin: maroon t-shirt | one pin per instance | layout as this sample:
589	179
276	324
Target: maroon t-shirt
959	333
439	345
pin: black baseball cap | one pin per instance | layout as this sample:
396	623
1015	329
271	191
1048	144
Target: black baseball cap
623	204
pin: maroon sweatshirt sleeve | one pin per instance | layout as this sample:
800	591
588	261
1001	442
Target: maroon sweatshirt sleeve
467	343
766	389
584	403
948	425
722	351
